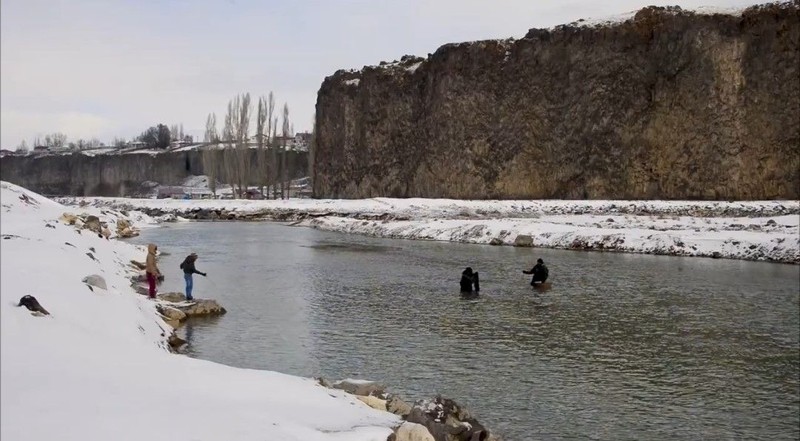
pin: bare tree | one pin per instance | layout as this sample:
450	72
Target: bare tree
285	136
274	169
173	131
229	153
261	158
211	135
119	142
210	153
22	147
210	165
242	129
181	136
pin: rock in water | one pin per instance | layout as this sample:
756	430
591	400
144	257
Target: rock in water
200	308
192	308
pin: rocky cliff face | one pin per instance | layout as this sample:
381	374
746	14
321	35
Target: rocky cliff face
668	104
114	175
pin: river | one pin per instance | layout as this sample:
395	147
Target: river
623	346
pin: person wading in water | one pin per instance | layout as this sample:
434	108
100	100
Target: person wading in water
540	273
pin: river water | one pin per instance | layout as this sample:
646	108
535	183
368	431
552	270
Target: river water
622	346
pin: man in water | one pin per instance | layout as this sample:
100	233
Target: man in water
469	278
539	272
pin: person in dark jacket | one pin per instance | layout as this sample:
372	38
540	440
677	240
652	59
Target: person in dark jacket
188	270
468	279
540	272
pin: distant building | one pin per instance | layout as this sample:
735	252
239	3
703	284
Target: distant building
173	192
178	144
41	149
4	152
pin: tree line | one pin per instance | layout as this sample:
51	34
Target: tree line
233	165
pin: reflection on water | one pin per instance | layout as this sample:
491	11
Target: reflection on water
621	347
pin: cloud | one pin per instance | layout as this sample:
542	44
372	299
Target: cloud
77	125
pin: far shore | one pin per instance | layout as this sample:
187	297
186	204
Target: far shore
746	230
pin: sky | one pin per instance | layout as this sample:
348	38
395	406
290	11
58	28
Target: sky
112	68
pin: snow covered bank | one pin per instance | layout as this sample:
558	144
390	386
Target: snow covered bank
752	230
98	366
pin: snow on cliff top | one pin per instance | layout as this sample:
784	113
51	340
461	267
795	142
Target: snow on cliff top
609	20
97	367
621	18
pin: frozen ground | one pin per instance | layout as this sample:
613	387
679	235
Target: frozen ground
753	230
97	368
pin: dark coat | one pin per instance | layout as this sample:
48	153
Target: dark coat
188	266
468	279
540	273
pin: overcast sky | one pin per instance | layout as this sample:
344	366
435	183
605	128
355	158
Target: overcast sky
105	68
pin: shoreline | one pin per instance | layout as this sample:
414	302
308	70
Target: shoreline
92	341
749	230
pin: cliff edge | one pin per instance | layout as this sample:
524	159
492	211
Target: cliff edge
667	104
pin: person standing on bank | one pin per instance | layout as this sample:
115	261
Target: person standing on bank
540	273
188	270
151	270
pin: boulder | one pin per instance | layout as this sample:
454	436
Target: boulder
68	218
397	406
127	232
523	240
413	432
169	217
138	265
95	280
106	232
92	223
175	342
125	229
324	382
172	297
171	313
496	241
201	308
447	421
360	387
373	402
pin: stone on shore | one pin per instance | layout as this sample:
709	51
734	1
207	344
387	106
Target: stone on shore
523	240
192	308
413	432
173	316
68	218
360	387
373	402
95	280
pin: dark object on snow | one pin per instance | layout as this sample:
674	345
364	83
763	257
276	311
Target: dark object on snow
32	304
539	271
468	279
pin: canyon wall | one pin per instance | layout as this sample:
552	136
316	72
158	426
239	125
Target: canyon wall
117	175
669	104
